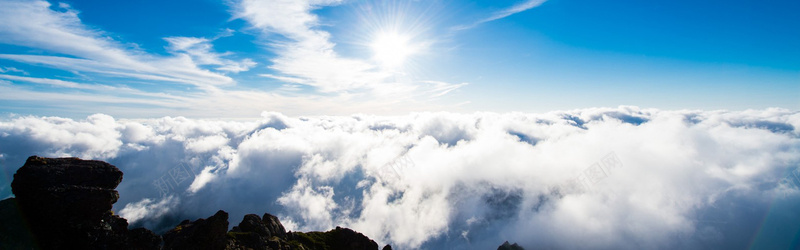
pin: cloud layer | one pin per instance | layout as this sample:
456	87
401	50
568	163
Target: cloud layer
605	178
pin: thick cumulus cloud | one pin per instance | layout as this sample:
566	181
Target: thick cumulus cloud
603	178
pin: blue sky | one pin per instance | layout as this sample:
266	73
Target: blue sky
228	59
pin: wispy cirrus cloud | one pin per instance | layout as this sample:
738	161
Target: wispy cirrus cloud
13	70
61	83
529	4
520	7
202	52
59	30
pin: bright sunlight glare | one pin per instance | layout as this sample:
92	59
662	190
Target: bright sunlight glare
391	49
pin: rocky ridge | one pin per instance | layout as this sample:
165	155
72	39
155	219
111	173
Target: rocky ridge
507	246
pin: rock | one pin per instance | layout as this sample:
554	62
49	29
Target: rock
507	246
274	225
281	244
345	238
65	203
336	239
251	233
257	233
252	223
69	190
210	233
141	238
13	232
246	240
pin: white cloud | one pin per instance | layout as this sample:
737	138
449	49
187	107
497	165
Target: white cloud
517	8
51	82
520	7
147	208
34	24
421	180
96	137
316	205
202	179
83	98
201	51
12	69
285	78
308	54
82	86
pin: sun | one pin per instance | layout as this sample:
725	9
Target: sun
391	49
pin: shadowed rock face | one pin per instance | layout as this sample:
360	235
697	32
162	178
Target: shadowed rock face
273	225
207	233
268	233
67	188
336	239
65	203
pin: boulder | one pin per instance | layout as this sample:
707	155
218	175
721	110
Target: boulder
65	203
252	223
67	190
274	225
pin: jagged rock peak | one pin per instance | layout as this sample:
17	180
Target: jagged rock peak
507	246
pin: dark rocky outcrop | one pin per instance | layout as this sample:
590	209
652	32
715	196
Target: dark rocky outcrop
69	188
336	239
141	238
268	233
253	232
210	233
507	246
14	233
65	203
274	225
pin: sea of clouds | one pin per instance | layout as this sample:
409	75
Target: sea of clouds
602	178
